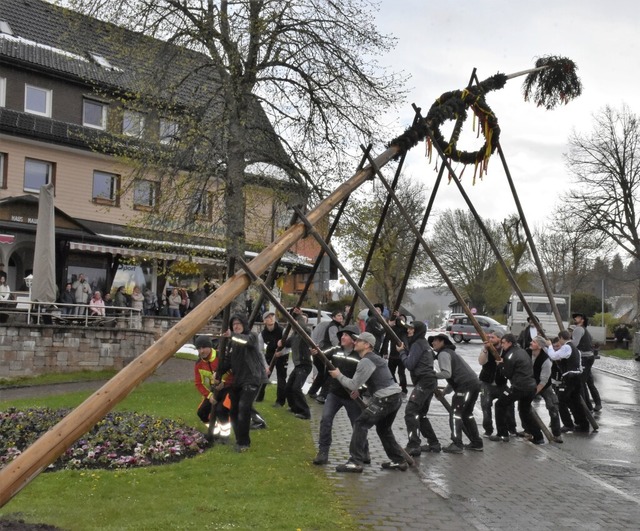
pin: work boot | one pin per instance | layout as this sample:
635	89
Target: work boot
390	465
453	448
322	458
413	451
433	448
350	466
499	438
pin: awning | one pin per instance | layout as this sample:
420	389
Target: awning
7	238
142	253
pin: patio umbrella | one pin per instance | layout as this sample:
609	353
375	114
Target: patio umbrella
44	266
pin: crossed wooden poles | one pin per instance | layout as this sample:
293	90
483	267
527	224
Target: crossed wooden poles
17	474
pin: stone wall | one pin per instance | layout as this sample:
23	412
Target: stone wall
38	349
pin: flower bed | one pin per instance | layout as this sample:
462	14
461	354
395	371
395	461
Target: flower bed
120	440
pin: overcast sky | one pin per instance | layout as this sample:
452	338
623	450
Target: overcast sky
439	43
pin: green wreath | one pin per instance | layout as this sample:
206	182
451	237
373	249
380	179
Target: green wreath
453	105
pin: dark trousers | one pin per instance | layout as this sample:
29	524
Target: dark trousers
381	412
280	368
242	399
396	363
524	399
330	409
569	392
551	401
490	393
588	385
320	378
415	414
462	419
293	390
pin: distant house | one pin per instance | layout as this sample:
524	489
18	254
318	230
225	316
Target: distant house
67	117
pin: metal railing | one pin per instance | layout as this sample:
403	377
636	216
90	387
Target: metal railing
69	314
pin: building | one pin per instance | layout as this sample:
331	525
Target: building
67	116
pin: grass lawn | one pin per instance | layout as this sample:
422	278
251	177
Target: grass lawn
56	378
273	486
619	353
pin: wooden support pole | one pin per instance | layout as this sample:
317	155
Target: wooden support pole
17	474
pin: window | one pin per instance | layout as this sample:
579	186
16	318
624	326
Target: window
105	188
3	91
202	206
133	123
94	114
3	170
37	173
168	131
145	195
37	100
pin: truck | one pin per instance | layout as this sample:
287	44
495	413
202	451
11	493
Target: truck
541	307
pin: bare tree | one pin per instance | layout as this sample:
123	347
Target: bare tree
260	86
568	252
391	255
465	254
606	167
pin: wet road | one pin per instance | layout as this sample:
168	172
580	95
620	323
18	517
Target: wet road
613	452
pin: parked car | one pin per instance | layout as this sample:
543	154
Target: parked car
312	315
463	330
451	318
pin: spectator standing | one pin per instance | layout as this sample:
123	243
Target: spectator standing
82	292
96	305
67	297
150	302
174	302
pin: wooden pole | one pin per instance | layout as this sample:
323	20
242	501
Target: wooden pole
17	474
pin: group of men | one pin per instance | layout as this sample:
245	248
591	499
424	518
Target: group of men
362	383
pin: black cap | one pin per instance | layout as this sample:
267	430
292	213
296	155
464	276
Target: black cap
204	342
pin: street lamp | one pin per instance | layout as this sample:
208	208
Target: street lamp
28	280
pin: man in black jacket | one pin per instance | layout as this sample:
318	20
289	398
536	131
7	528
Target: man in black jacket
301	358
419	360
246	362
338	397
516	367
271	334
492	384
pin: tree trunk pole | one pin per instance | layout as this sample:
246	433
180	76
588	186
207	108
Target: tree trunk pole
17	474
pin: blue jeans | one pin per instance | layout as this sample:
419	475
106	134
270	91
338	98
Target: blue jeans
489	393
381	412
330	409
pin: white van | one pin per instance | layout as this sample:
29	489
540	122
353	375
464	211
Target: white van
541	307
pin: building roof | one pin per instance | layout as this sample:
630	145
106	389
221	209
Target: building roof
66	44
